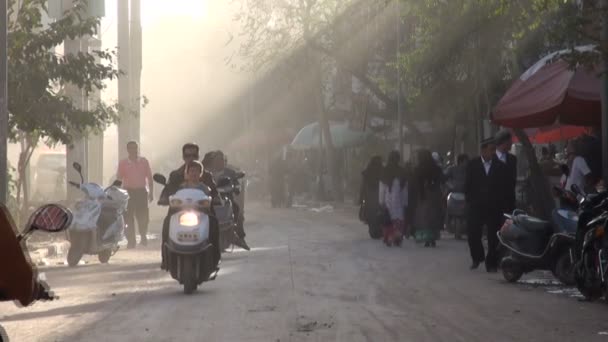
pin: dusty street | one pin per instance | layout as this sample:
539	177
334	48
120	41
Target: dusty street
311	276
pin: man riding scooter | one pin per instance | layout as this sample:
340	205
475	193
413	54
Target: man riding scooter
190	152
221	169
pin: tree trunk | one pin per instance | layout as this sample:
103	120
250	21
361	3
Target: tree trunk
325	130
28	145
542	200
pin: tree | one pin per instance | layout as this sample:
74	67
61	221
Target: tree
310	35
38	107
468	52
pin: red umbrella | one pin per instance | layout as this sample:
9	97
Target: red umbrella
551	91
554	133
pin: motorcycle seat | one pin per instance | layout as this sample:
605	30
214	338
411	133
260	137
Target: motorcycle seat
532	224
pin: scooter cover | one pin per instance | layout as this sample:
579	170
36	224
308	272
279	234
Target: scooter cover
86	214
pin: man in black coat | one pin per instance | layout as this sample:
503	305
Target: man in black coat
504	141
484	190
221	169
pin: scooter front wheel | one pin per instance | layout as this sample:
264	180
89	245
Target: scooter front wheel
188	272
74	255
104	256
512	274
510	270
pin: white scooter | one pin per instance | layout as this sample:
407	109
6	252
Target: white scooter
189	253
98	224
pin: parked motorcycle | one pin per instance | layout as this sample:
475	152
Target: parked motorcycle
228	188
456	220
188	251
50	218
535	244
98	224
591	247
530	243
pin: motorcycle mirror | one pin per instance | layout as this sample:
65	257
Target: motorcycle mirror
160	179
240	175
51	218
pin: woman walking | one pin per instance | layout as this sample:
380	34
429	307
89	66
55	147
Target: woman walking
368	197
393	200
426	197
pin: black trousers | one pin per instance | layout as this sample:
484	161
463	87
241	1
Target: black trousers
137	209
240	220
477	218
214	235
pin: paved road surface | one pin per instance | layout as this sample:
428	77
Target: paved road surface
312	276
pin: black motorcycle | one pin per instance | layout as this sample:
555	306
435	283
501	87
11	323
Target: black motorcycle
226	212
591	246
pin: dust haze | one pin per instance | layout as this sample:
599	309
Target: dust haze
186	78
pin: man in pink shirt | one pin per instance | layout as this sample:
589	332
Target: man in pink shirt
135	174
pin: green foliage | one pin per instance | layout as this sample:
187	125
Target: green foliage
12	203
467	52
38	75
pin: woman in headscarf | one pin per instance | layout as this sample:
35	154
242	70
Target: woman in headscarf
426	198
368	197
393	198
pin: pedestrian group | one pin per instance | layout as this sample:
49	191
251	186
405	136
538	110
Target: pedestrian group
407	201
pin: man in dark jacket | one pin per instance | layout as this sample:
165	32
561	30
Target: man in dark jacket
504	141
190	152
221	169
484	191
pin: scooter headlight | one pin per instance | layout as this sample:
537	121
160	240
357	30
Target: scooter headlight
188	220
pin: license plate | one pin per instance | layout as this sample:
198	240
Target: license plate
187	237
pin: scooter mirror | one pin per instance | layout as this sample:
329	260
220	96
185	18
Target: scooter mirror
160	179
50	218
77	167
117	183
240	175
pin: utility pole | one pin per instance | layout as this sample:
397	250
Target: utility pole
604	48
124	84
95	141
135	68
399	114
3	101
78	151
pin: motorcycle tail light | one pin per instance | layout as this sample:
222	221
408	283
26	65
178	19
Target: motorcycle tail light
188	220
599	231
506	226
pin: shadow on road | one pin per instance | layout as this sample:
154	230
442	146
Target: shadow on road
172	293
